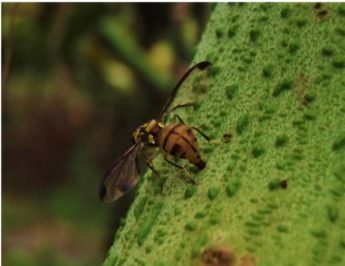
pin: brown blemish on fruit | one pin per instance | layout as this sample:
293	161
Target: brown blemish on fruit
317	5
300	87
218	256
284	183
227	137
321	12
247	260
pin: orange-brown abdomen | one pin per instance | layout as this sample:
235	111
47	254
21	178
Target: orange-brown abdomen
179	140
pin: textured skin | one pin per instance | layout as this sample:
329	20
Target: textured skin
274	195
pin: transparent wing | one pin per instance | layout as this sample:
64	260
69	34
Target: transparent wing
122	176
195	78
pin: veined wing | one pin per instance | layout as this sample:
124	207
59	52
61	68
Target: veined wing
122	176
195	78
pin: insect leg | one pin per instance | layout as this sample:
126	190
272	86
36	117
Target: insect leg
179	119
150	165
174	164
226	137
195	128
189	176
202	133
188	104
182	105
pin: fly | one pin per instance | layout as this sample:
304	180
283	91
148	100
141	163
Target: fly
176	139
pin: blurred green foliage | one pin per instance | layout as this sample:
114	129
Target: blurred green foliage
77	79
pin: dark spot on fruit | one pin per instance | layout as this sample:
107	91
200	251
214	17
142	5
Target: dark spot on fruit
339	143
284	183
277	184
219	33
254	35
242	124
281	140
257	152
263	18
317	5
232	31
284	43
341	10
190	191
267	71
293	47
327	51
231	91
301	23
232	188
235	18
227	137
281	87
338	63
215	70
340	31
285	13
322	13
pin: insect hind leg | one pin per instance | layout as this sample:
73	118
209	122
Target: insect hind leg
189	176
182	105
195	128
201	133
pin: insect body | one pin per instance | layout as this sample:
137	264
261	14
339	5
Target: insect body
176	139
179	140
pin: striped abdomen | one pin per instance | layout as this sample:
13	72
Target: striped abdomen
179	140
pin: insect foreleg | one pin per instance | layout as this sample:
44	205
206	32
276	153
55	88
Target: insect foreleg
179	119
182	105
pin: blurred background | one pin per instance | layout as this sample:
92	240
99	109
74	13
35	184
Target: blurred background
76	80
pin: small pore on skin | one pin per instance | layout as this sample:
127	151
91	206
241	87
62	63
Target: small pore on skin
242	124
281	140
232	188
189	192
257	151
254	34
285	12
213	192
281	87
231	91
277	184
339	143
267	71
